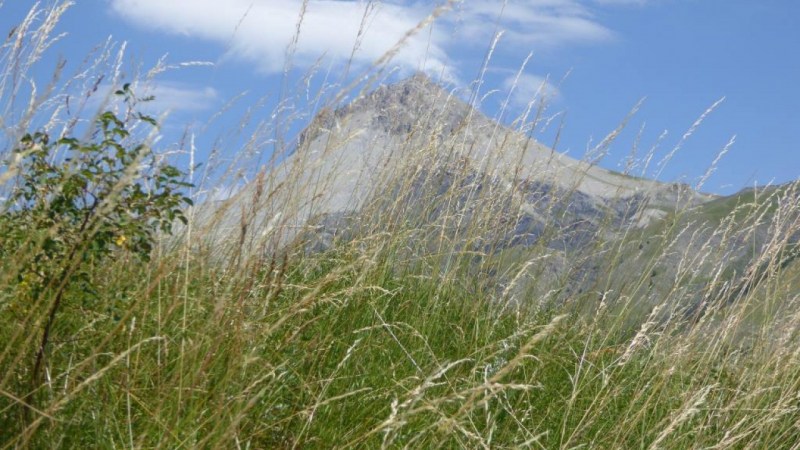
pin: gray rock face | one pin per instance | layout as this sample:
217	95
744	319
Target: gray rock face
414	160
348	154
413	152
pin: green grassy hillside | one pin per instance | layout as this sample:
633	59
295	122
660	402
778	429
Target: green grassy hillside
131	319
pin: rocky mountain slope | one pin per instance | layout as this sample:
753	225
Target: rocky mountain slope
346	156
413	159
375	133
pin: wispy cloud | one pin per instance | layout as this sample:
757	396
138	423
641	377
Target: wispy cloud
532	23
182	97
260	31
166	96
360	32
530	88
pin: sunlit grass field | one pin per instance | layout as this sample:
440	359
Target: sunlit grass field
400	333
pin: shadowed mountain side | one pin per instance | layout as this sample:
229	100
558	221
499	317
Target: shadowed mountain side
715	254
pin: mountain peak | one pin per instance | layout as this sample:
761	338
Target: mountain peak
415	91
418	84
409	103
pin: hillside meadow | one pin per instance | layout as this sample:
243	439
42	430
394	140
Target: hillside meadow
140	310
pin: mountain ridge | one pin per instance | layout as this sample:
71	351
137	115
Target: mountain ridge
347	155
416	109
413	160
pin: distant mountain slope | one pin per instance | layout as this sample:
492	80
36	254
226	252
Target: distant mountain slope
353	147
348	155
412	158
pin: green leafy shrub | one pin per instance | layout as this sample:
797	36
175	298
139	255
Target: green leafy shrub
76	204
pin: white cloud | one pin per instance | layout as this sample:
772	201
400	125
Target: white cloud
260	31
181	97
530	88
167	96
533	22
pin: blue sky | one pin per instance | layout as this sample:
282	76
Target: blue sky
599	58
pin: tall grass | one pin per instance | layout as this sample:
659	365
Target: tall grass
415	325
